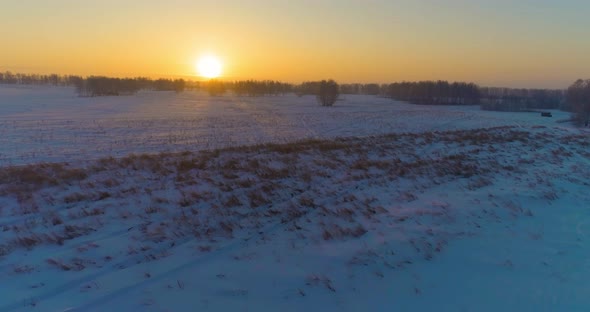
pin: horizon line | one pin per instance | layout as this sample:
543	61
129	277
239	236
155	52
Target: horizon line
197	78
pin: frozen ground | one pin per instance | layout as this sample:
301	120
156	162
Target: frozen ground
53	124
490	219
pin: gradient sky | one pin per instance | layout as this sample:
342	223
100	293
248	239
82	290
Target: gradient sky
516	43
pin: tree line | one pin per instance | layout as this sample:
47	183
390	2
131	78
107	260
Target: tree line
514	100
422	92
578	97
106	86
259	88
362	88
326	91
100	85
307	88
457	93
36	79
434	92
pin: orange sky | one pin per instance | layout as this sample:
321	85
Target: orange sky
522	43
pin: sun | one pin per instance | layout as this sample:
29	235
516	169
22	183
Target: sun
209	67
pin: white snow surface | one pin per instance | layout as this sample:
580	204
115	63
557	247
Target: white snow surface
415	208
50	124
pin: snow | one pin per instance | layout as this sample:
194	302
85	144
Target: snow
49	124
417	208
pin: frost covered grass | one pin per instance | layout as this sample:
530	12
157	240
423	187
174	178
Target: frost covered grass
311	224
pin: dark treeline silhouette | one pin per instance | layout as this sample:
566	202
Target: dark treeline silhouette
217	87
105	86
214	87
445	93
514	100
578	99
259	88
100	85
359	88
177	85
307	88
422	92
434	92
36	79
325	91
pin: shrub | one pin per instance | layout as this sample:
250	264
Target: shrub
328	92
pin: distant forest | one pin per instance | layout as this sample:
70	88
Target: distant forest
100	85
422	92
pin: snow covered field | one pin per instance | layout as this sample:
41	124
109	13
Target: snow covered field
52	124
429	208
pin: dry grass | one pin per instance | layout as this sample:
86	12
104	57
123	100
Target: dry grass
214	195
233	201
337	232
257	199
479	182
76	264
41	175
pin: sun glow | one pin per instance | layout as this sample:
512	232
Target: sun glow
209	67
